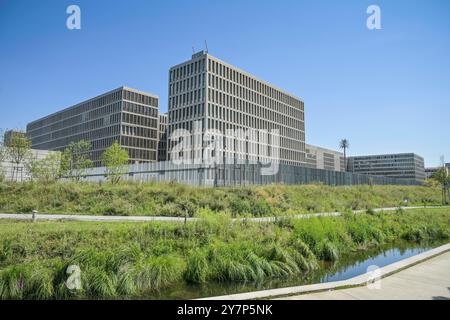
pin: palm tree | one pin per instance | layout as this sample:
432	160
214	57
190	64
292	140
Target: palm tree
344	144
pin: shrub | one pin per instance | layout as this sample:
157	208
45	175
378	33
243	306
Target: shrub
197	270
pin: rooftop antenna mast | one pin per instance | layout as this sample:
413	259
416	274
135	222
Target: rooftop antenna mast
206	46
193	50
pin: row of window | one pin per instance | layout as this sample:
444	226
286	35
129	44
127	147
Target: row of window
195	82
296	145
185	113
250	114
76	110
248	82
137	142
187	70
62	143
140	120
141	155
187	98
247	121
140	109
86	127
95	107
139	132
233	89
140	98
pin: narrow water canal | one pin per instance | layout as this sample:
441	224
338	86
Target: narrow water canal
347	267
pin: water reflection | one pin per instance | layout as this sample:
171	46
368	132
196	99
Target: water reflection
347	267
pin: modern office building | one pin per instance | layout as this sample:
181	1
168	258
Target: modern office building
162	143
322	158
125	115
211	95
9	136
402	165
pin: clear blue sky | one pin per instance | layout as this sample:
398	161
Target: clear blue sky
385	90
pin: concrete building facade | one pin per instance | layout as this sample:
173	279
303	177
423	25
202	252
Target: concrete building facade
9	136
18	172
401	165
162	143
125	115
207	94
322	158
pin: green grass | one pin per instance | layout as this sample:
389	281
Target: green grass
134	260
172	199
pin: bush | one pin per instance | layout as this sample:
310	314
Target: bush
117	207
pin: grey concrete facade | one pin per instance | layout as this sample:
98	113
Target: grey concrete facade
18	171
125	115
322	158
10	134
162	143
400	165
206	93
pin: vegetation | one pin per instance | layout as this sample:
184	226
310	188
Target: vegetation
46	170
75	159
344	144
121	260
172	199
443	178
115	159
17	151
2	155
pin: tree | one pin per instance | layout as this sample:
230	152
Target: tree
344	144
115	159
75	160
18	150
442	176
2	156
45	170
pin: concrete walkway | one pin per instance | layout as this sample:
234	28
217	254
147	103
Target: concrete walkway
82	217
429	280
423	276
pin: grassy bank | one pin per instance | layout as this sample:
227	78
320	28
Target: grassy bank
120	260
171	199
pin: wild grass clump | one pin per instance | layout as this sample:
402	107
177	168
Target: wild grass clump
247	262
159	272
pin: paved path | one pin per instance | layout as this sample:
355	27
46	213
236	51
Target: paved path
82	217
429	280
